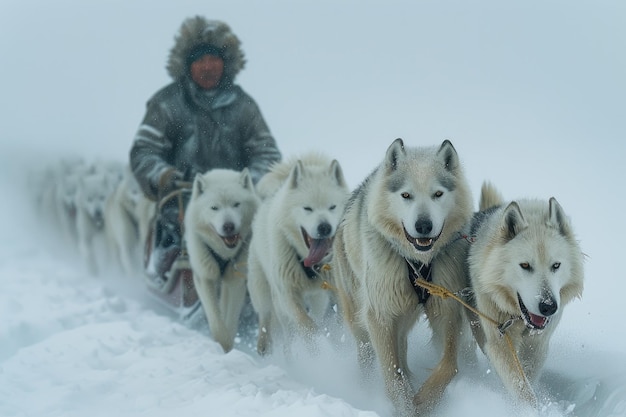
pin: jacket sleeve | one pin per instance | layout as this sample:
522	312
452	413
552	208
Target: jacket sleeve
151	151
261	148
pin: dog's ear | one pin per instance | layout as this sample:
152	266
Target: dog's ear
337	173
246	179
448	156
513	221
557	218
198	186
394	153
295	175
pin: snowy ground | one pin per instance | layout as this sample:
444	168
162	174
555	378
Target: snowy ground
530	93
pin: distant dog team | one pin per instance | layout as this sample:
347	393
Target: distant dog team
304	250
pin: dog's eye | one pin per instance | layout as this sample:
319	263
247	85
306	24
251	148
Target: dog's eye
525	266
308	209
438	194
556	266
214	208
405	195
237	204
333	207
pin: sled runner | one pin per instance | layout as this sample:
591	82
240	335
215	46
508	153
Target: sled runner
167	271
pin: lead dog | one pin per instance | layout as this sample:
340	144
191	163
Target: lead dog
524	267
217	232
291	240
400	220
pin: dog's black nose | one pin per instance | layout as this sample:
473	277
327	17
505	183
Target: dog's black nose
228	228
548	306
423	226
323	230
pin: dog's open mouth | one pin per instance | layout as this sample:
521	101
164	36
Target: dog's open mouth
422	244
318	249
230	241
532	321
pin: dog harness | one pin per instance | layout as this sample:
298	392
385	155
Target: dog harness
221	262
311	271
419	270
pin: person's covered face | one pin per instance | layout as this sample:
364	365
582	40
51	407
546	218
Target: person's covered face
207	70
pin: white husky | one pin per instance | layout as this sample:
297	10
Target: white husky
91	196
46	185
126	217
67	176
525	266
217	232
291	240
397	226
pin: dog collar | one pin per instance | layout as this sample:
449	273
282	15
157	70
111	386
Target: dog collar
419	270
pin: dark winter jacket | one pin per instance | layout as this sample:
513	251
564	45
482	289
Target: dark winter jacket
194	130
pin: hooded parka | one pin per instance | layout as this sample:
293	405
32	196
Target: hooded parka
192	130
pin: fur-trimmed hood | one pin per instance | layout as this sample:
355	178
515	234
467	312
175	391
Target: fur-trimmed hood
196	31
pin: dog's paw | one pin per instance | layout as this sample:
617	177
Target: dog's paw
423	405
222	337
427	399
263	343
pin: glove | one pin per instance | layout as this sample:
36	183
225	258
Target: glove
167	181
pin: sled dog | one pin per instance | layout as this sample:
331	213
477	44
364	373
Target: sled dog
46	202
217	232
67	177
125	222
292	235
403	222
524	267
92	193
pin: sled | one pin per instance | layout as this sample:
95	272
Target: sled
168	274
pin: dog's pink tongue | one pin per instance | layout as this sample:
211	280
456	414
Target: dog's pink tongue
319	248
539	321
